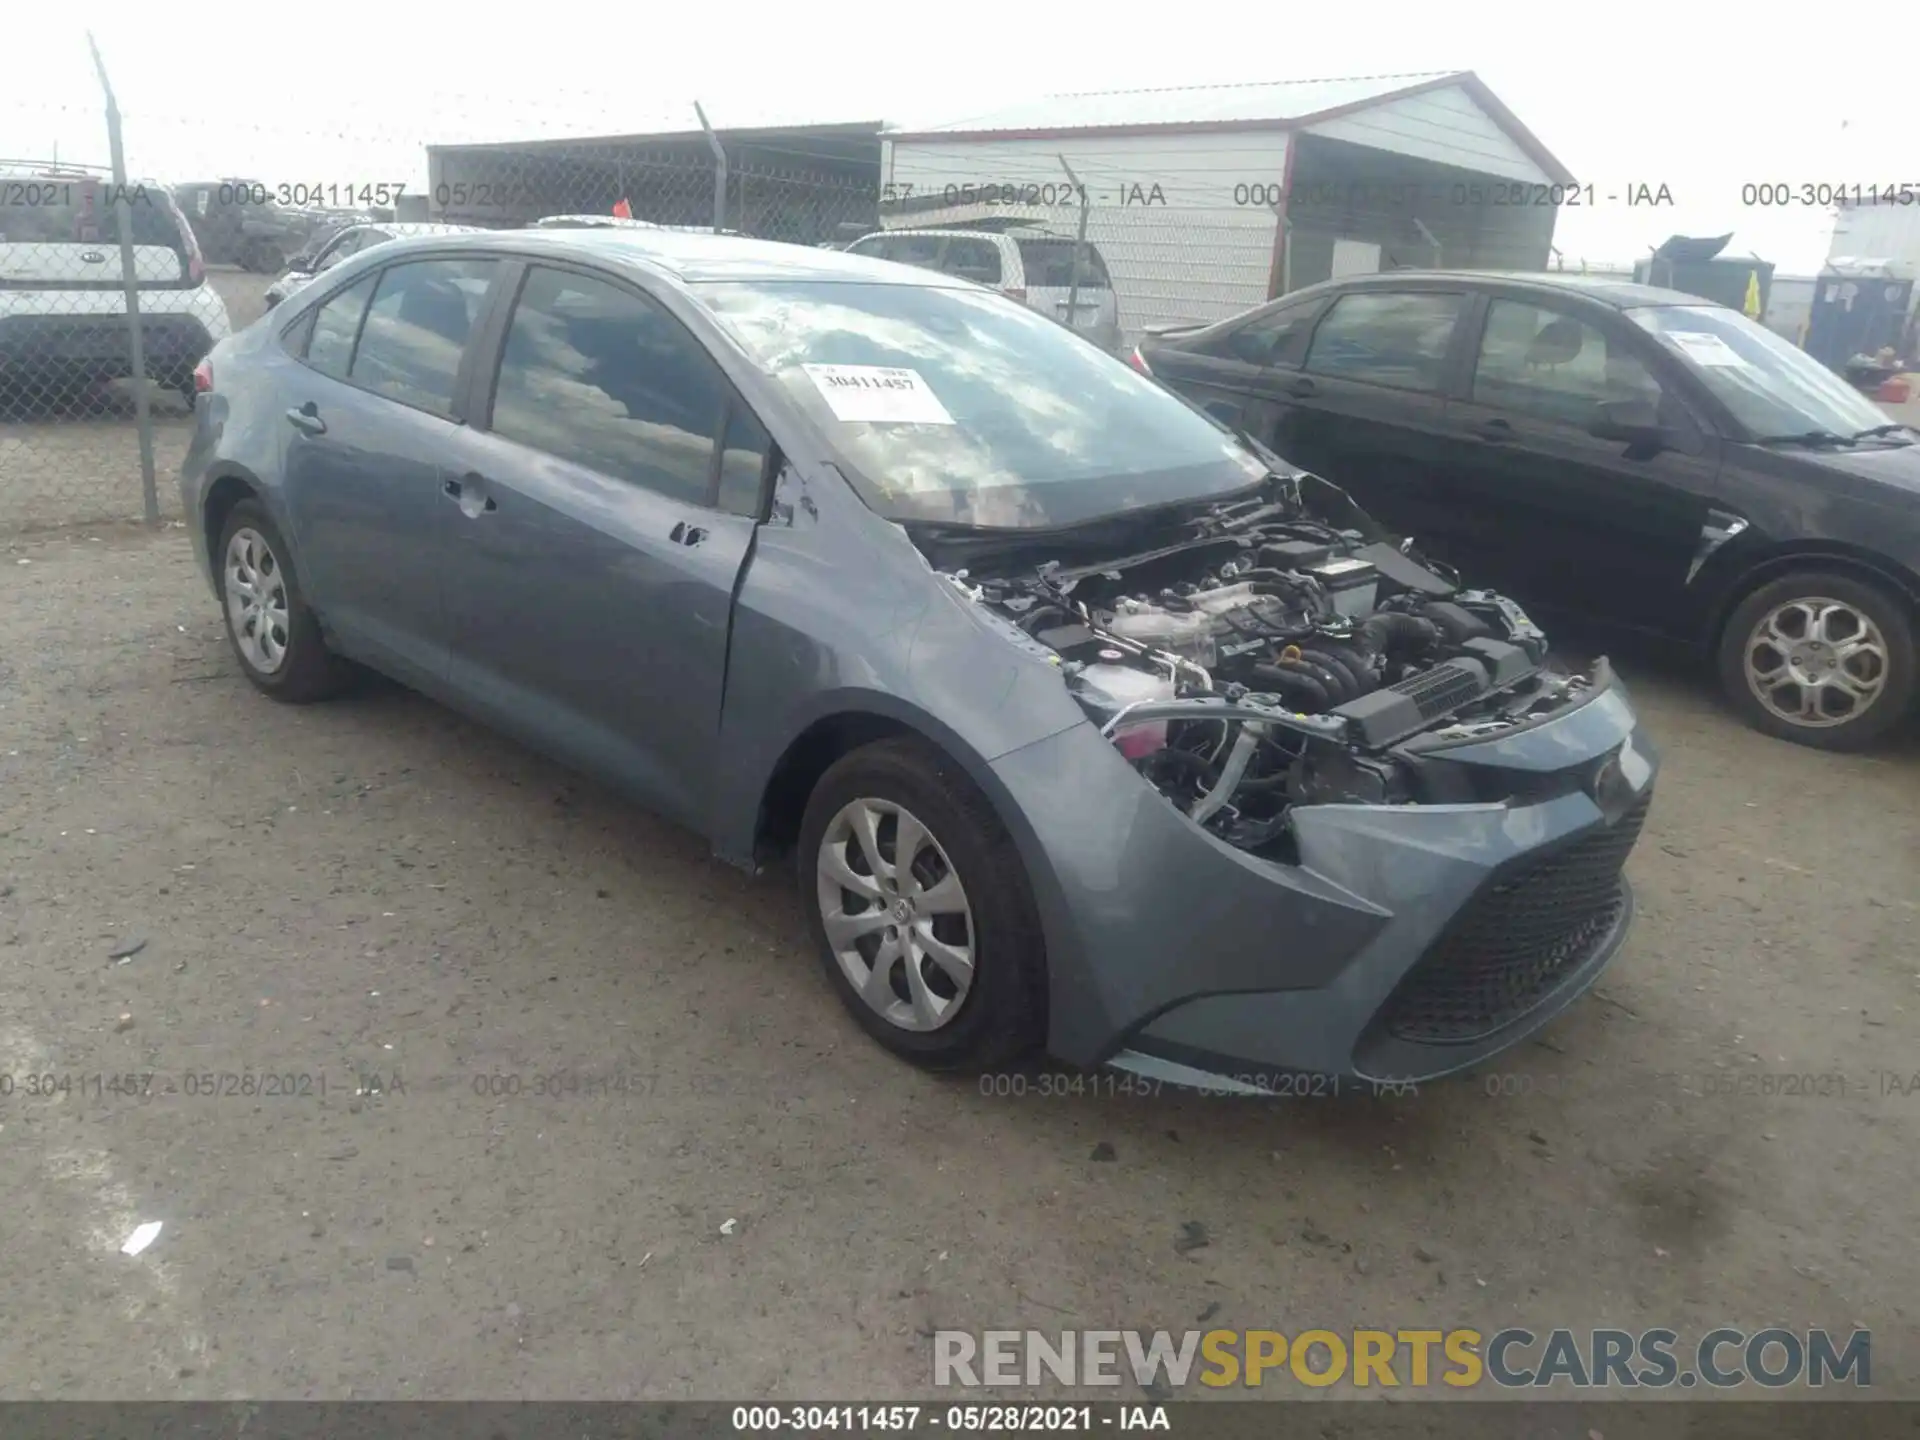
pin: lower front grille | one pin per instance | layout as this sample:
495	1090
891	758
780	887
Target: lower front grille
1515	940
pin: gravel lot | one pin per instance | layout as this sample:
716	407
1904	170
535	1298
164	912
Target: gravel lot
375	888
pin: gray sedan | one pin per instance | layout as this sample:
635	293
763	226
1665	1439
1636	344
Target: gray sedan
1092	726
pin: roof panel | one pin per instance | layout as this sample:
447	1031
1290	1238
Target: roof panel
1278	101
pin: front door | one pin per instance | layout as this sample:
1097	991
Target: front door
602	523
1563	519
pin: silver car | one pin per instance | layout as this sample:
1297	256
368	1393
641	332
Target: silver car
1026	263
349	240
1086	724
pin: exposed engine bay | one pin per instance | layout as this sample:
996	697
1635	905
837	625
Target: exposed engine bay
1256	658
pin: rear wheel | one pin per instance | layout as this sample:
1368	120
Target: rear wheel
274	635
1820	658
920	909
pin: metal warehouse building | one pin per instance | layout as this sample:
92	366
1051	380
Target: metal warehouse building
1204	201
799	183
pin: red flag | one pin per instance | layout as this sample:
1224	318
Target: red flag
623	210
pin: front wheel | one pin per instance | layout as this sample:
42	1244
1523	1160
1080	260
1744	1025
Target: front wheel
1821	659
920	909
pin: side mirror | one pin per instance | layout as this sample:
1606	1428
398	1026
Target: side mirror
1633	422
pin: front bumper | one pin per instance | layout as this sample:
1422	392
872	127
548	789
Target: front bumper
1409	942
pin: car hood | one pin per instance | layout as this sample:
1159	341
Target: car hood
1896	467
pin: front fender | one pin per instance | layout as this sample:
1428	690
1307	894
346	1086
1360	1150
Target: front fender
838	614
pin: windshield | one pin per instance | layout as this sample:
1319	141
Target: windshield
960	406
1772	388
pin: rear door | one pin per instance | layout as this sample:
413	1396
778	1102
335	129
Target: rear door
1243	374
375	433
1368	406
608	508
1543	508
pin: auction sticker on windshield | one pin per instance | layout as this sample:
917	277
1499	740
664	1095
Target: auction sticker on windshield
1705	349
879	394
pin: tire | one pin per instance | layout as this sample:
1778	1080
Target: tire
1787	629
1001	1013
293	664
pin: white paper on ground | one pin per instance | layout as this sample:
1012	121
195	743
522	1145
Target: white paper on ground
1705	349
143	1236
878	394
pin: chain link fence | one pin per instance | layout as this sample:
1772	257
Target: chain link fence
117	280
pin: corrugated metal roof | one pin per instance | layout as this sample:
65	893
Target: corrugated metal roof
1278	100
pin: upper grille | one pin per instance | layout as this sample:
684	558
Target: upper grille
1439	691
1514	941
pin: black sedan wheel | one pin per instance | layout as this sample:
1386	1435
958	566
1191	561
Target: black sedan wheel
1820	658
274	635
920	908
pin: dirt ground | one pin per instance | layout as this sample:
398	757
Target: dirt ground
377	897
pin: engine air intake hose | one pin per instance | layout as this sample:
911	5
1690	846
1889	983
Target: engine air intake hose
1390	632
1350	664
1295	684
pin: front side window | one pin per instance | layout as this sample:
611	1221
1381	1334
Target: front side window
1773	388
417	329
339	248
961	407
597	375
1398	340
1547	364
335	324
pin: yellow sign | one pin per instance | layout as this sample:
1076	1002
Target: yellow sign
1752	307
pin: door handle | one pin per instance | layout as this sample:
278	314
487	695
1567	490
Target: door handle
1494	431
685	534
306	419
1302	387
471	493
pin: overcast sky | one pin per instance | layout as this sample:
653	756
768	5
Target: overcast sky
1701	98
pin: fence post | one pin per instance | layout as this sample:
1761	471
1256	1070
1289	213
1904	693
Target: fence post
136	344
719	171
1079	244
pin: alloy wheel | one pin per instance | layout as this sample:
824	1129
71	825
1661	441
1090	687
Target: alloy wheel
895	914
1816	662
256	590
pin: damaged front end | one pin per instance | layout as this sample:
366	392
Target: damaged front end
1263	655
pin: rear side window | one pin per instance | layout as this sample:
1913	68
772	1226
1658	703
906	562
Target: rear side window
1264	339
973	259
1398	340
922	250
597	375
417	328
1049	265
37	211
335	324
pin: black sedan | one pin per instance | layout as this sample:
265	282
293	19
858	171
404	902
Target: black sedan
1634	456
